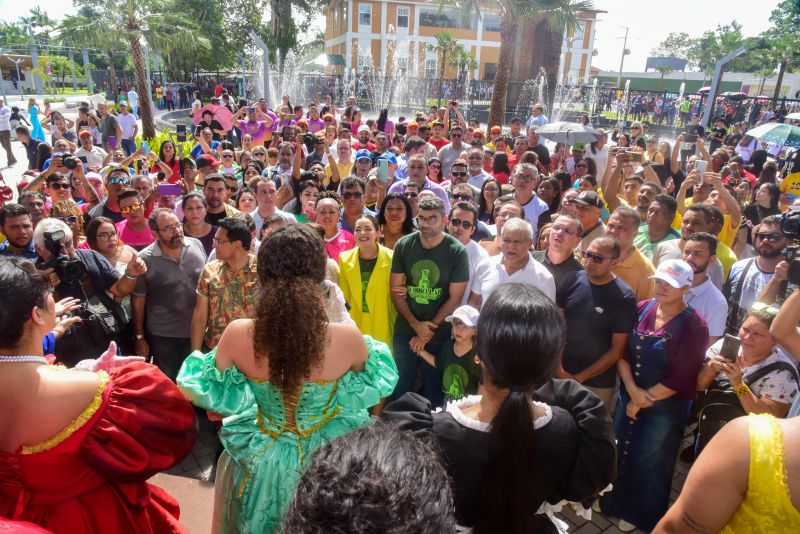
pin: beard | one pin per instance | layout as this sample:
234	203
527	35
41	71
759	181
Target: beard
769	253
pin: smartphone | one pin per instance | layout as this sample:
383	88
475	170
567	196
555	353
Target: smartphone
730	347
251	109
112	142
83	159
169	189
700	167
690	138
383	170
636	157
144	146
181	129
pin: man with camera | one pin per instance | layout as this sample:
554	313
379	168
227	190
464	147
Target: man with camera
89	277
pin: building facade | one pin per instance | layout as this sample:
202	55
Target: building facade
388	35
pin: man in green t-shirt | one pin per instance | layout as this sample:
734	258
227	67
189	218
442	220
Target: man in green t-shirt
430	270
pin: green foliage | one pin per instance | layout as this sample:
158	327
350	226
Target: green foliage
184	149
54	99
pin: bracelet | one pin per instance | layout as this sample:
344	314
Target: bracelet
741	390
129	277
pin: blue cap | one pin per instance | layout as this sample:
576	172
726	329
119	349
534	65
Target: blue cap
363	154
388	156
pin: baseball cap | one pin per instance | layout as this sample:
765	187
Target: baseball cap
108	169
85	133
123	103
579	145
363	154
677	273
94	176
363	128
589	198
412	124
207	160
495	129
328	116
389	156
466	314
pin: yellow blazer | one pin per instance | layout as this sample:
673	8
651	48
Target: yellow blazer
379	322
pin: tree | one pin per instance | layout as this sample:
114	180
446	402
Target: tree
664	70
785	38
58	66
559	16
464	61
13	35
446	45
40	23
676	45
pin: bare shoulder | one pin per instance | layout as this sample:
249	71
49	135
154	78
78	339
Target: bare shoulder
347	338
69	390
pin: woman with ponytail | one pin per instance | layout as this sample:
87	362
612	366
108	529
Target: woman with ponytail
286	382
528	442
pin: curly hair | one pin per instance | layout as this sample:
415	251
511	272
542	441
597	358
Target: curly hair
291	269
375	479
65	208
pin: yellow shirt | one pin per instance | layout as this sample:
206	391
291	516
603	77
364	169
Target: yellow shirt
727	257
344	170
790	186
636	270
767	506
726	235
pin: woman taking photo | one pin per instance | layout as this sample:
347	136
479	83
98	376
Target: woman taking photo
598	152
194	220
513	448
658	378
765	203
364	279
284	392
490	191
97	434
305	201
395	218
168	154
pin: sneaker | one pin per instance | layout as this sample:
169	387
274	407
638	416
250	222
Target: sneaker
624	526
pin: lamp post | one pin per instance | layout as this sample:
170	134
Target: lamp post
625	52
19	80
715	81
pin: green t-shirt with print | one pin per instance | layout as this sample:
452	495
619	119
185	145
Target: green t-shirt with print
366	267
460	374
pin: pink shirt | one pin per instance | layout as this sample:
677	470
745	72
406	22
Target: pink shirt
343	240
315	125
137	240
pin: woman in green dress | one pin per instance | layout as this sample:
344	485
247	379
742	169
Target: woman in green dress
285	383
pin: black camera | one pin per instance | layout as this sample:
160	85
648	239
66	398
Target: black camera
70	161
790	227
309	140
67	268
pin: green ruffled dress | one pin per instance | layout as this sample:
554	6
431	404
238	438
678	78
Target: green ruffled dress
264	454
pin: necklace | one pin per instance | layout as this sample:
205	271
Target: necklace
22	358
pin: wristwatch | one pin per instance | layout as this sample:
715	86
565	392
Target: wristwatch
138	337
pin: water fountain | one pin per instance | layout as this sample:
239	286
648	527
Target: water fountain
593	100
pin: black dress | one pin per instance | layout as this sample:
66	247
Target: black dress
574	445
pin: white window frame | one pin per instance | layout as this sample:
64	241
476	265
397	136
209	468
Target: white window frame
364	9
402	63
403	12
430	67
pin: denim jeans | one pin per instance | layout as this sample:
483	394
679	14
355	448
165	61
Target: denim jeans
129	146
407	363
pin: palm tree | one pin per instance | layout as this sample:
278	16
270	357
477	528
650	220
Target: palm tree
446	45
150	21
664	70
559	16
88	30
39	21
464	61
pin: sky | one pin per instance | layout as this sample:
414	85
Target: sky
649	22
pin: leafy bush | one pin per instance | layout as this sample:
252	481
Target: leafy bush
54	99
166	135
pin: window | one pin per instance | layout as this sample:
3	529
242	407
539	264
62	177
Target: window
577	37
364	63
365	14
491	22
402	63
432	17
490	70
430	68
402	17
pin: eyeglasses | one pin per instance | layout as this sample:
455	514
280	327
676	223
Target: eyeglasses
106	236
353	194
72	219
559	228
259	153
127	209
464	224
458	173
761	307
231	188
419	219
227	155
220	241
455	135
596	258
411	194
581	165
57	186
465	198
172	228
119	180
635	128
435	166
770	238
524	178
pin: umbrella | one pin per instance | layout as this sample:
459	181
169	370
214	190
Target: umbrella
793	116
738	94
704	90
221	114
568	133
775	132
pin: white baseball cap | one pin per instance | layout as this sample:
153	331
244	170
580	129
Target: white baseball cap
363	128
466	314
677	273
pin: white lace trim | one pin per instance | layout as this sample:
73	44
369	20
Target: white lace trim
455	408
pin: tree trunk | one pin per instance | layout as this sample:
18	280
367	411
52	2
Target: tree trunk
552	62
508	36
112	76
441	78
781	71
145	110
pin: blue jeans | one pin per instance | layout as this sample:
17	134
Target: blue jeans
129	146
407	362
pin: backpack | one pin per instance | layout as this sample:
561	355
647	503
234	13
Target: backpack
721	404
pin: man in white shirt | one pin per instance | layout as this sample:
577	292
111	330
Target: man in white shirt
452	151
461	225
525	178
133	101
266	195
96	157
127	122
5	132
476	175
514	265
699	252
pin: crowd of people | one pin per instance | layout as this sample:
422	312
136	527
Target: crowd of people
309	270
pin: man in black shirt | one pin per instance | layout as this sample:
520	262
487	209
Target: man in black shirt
558	257
600	311
539	149
217	131
717	136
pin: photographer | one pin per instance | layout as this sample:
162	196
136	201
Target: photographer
89	277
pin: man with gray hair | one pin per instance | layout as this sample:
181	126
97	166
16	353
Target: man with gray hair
525	179
430	270
514	265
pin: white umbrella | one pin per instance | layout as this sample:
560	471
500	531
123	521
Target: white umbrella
568	133
793	116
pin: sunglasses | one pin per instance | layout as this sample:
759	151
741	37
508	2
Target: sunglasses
58	186
231	188
464	224
227	155
72	219
455	173
354	194
769	309
769	238
596	258
127	209
455	135
119	180
466	198
259	153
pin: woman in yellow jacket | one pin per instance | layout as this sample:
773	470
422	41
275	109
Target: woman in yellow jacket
364	279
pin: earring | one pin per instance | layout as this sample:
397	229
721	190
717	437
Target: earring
476	360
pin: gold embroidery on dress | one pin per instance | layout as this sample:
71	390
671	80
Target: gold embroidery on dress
76	423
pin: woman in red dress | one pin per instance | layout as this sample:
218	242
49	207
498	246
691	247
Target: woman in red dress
76	447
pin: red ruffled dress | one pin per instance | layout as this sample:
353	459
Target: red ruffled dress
91	476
